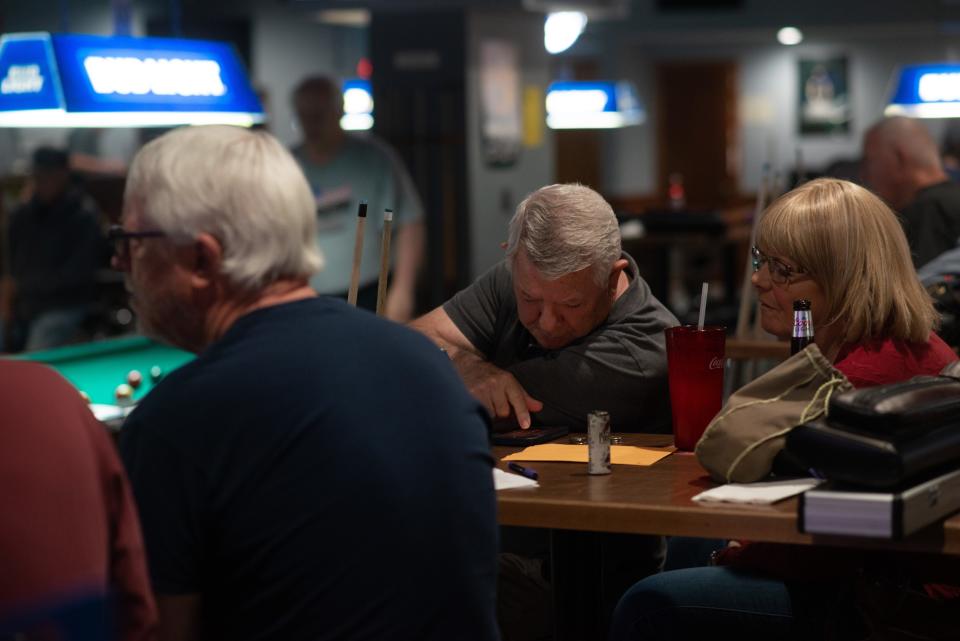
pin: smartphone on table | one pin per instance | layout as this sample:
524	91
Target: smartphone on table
509	433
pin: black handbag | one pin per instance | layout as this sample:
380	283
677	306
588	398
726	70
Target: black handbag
899	410
885	436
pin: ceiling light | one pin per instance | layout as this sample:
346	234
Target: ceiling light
790	36
344	17
562	28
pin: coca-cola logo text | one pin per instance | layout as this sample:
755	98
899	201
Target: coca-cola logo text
716	363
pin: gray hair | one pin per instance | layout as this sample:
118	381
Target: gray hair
239	185
564	229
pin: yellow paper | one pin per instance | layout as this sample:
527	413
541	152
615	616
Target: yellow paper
619	454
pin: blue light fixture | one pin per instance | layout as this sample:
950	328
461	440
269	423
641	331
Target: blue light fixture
926	91
357	105
61	80
600	104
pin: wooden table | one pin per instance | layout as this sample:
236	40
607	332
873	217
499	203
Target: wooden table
656	500
573	506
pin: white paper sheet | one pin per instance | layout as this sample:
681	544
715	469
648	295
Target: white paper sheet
505	480
762	493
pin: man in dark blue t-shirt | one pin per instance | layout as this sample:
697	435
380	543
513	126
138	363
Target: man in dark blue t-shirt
316	472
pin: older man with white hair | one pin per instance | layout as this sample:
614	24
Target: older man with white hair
564	325
902	165
289	483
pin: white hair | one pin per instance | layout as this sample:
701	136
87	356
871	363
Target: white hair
564	229
239	185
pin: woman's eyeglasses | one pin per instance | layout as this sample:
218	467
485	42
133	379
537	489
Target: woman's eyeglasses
120	239
780	272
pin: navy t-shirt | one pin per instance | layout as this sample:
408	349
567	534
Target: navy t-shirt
319	473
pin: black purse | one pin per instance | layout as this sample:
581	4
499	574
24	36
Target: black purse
885	436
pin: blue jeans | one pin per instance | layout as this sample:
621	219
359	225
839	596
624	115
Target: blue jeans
705	603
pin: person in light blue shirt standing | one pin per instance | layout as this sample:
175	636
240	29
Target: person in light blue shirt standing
344	170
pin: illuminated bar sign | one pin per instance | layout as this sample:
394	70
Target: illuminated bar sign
95	81
593	105
926	91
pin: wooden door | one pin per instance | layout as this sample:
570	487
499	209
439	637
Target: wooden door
696	131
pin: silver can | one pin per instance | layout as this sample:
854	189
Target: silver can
598	442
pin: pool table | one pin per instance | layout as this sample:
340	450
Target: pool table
97	368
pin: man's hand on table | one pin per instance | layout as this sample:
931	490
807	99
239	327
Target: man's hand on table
497	389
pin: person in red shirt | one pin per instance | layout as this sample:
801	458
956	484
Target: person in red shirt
840	247
71	551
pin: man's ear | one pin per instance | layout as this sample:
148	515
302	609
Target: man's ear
615	271
207	261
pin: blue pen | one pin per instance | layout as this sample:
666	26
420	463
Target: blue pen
529	472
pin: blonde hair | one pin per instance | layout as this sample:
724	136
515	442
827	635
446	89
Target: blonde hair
854	248
563	229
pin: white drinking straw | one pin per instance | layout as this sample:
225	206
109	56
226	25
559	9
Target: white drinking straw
703	306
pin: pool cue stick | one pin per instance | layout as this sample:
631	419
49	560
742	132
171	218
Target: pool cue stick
384	261
357	255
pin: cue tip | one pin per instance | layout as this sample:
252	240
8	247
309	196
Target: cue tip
362	210
388	215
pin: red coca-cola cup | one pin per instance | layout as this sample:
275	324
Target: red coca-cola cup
695	369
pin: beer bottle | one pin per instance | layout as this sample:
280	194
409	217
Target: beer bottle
802	326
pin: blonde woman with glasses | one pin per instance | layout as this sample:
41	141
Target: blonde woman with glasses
840	247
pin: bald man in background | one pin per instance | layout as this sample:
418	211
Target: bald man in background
902	165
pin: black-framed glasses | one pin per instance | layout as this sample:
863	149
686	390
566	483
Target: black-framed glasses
780	272
120	239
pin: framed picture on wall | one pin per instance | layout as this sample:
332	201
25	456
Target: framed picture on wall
824	96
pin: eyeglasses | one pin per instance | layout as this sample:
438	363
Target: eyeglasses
780	272
120	239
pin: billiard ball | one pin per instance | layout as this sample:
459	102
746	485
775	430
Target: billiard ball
123	393
155	374
134	378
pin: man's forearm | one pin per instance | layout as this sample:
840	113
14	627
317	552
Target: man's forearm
438	327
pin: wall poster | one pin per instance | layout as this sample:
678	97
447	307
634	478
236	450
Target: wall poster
824	96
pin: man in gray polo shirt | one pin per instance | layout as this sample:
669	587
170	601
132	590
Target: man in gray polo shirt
563	325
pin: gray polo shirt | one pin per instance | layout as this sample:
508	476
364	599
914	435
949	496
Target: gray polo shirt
620	367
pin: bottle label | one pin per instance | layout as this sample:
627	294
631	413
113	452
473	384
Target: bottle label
802	324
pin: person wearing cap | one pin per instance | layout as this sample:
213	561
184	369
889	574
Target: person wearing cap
54	248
